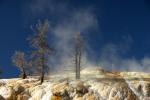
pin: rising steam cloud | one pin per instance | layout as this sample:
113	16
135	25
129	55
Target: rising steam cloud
112	59
66	22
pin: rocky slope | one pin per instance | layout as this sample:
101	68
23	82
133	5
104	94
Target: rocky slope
95	84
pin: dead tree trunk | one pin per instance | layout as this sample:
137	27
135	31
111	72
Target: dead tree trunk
42	70
23	73
76	63
79	64
78	54
42	75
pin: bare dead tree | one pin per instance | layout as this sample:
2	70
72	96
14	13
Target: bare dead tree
41	47
78	54
19	60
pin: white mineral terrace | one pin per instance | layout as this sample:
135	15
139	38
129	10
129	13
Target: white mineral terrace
95	84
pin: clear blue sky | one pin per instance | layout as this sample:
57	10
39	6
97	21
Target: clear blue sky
117	19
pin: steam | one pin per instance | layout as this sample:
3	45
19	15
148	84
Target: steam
65	32
112	59
66	21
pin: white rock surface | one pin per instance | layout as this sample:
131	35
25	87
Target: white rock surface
110	86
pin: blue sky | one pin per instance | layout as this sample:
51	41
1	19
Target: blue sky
123	24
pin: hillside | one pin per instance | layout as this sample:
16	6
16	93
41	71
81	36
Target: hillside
95	84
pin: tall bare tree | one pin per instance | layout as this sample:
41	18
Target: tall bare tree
19	60
41	47
78	54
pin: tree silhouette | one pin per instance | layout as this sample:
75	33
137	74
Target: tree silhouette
78	54
41	47
19	60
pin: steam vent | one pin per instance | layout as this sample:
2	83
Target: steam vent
95	84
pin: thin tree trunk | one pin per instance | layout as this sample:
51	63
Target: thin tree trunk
78	48
79	65
76	63
42	75
23	73
42	70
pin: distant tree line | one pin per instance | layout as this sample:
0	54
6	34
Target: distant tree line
41	51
